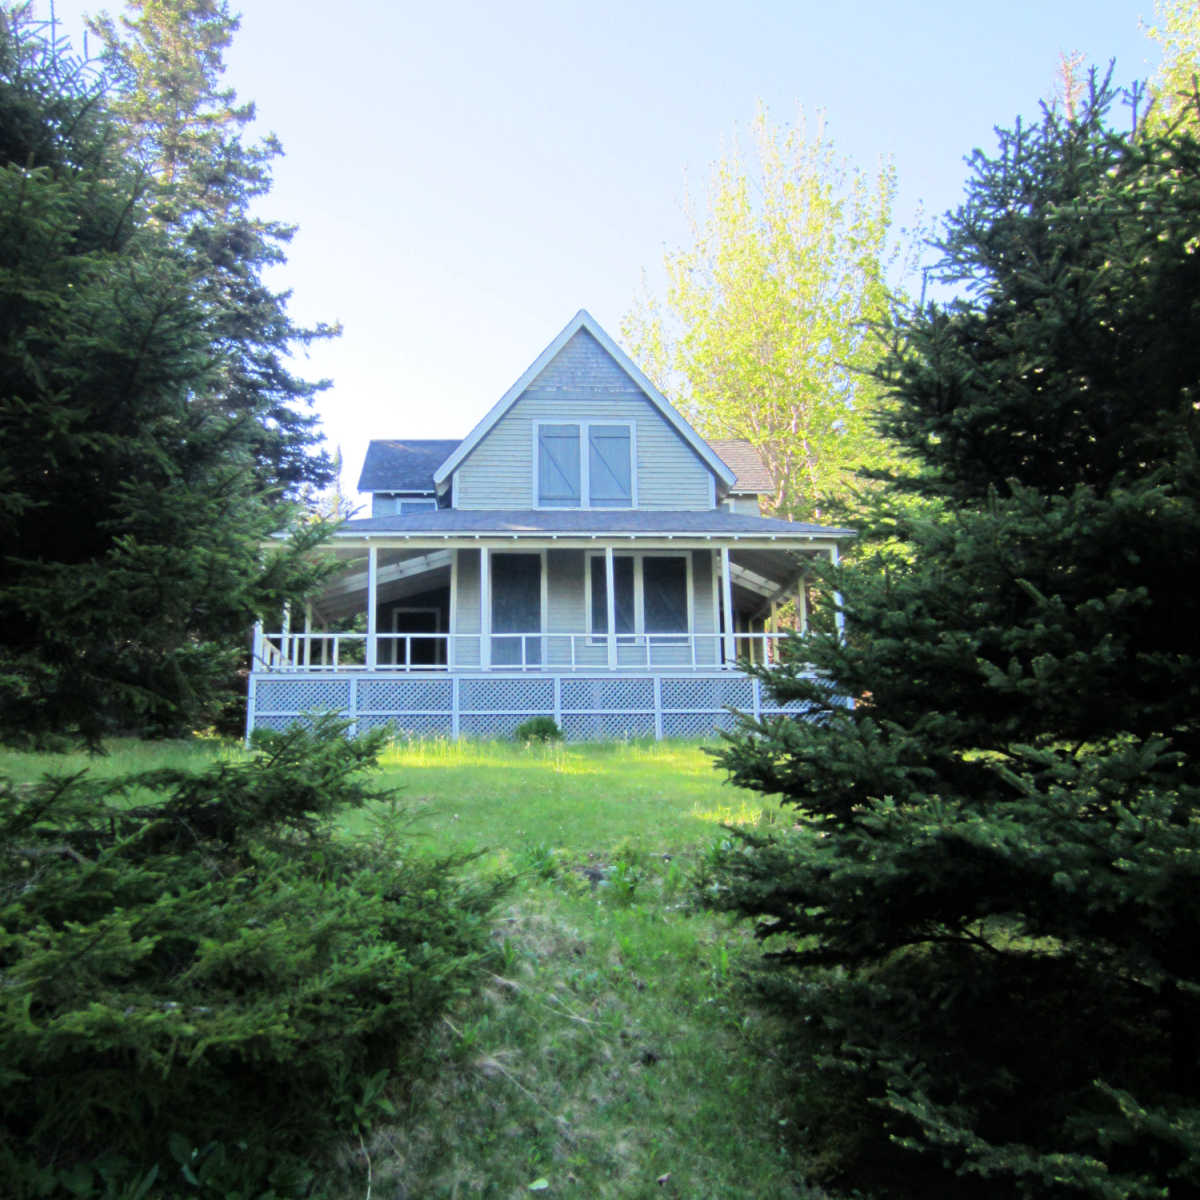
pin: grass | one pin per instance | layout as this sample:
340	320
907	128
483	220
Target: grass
121	756
607	1051
573	800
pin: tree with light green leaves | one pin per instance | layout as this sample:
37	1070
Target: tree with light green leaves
765	329
1177	31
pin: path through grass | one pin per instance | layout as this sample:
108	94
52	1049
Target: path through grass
609	1053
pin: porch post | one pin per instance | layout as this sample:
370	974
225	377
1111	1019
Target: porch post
839	617
771	647
308	635
727	606
802	605
285	636
372	602
485	608
610	604
256	649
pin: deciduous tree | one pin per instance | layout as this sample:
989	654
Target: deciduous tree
765	330
1176	29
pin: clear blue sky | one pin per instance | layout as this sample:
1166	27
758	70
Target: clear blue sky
465	176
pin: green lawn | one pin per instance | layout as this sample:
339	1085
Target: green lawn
575	800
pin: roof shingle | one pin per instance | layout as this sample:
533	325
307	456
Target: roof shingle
404	465
746	463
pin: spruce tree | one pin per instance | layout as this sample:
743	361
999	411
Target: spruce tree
164	63
988	923
133	513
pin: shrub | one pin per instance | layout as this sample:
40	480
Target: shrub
538	729
205	987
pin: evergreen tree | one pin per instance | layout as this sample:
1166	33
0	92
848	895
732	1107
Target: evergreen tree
164	62
132	517
991	938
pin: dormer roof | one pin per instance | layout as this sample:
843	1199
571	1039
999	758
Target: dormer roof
404	464
753	478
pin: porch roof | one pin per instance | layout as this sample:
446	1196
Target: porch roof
717	524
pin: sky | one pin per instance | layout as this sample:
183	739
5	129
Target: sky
466	176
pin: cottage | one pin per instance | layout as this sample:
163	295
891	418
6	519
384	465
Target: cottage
582	554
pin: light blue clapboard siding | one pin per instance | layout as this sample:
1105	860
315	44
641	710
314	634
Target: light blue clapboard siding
582	384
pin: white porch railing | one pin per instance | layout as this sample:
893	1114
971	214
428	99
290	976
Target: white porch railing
439	653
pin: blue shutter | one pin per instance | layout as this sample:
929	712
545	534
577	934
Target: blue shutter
610	470
558	466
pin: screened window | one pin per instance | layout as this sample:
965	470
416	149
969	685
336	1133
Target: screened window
569	477
516	609
664	591
650	594
623	608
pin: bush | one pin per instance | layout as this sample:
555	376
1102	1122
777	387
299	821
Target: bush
538	729
205	988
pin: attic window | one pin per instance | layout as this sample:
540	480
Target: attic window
567	478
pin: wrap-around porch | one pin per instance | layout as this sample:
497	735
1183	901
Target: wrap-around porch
642	637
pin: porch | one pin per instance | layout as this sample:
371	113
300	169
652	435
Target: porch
624	635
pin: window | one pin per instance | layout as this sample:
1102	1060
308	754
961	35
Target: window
567	477
389	504
650	594
558	466
623	607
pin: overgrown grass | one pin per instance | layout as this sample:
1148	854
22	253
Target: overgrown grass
608	1051
120	756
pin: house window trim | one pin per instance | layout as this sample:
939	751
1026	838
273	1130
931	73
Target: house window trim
585	492
593	557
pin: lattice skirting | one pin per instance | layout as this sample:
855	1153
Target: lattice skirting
600	708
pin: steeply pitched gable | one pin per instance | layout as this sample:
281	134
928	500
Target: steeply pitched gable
547	372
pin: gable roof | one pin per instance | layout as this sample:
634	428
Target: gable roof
404	465
584	320
747	464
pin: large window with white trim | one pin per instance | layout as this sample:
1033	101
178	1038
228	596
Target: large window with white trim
651	595
588	464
